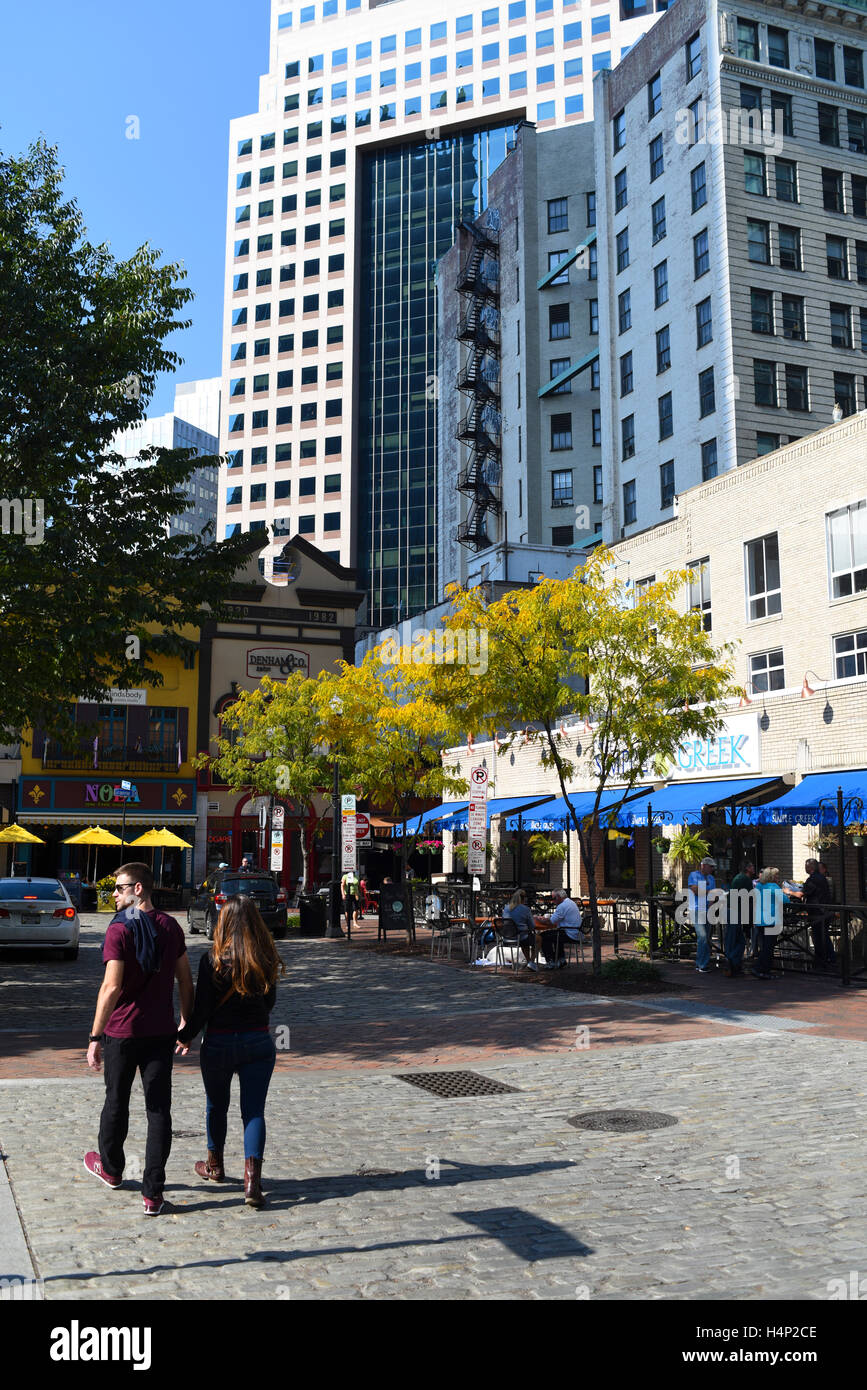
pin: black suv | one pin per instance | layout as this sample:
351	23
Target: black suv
262	887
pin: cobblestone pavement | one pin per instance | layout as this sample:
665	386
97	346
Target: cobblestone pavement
378	1189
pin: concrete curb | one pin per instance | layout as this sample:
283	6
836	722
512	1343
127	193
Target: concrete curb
18	1278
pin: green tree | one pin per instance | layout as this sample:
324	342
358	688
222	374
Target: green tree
271	744
82	341
639	670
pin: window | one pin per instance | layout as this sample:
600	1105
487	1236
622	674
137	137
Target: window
630	510
700	254
786	175
666	484
620	191
796	388
490	87
596	437
762	311
624	310
242	248
597	478
622	245
244	147
618	131
844	392
835	252
759	242
657	217
859	196
558	321
698	186
258	492
847	550
561	432
850	655
245	180
766	443
666	418
706	392
764	596
626	374
260	383
696	121
841	326
259	420
594	315
778	47
824	52
663	350
790	247
832	190
829	125
558	215
660	284
693	57
554	259
765	382
592	263
572	33
562	535
708	460
751	98
627	438
241	282
544	74
591	209
517	47
781	114
703	323
766	670
654	96
699	590
863	316
755	177
657	163
558	365
561	487
853	67
793	317
748	40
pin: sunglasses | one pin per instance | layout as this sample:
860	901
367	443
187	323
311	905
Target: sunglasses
119	887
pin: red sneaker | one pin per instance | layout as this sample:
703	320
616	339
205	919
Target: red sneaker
93	1164
153	1205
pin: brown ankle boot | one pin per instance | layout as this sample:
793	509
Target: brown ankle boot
253	1182
212	1167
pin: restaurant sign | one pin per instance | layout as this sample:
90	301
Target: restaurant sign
734	749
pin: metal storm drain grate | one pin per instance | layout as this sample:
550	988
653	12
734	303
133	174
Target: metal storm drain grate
451	1084
623	1121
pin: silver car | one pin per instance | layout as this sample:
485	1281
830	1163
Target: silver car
37	913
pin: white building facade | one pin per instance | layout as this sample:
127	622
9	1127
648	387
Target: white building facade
193	424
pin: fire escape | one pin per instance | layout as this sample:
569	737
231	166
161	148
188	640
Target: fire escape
479	380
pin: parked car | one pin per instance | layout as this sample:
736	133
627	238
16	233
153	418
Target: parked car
259	885
38	914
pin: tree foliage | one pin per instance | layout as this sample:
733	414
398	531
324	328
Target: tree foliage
636	668
82	341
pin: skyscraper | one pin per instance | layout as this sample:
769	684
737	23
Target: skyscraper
377	129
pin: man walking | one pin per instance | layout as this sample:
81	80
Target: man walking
134	1026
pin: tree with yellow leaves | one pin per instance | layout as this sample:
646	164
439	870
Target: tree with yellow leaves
639	670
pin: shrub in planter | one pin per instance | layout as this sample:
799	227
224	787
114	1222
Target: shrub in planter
628	968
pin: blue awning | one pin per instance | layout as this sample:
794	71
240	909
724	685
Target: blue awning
682	803
814	801
415	824
555	815
460	821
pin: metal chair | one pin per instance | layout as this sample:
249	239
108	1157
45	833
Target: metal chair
507	935
569	946
442	933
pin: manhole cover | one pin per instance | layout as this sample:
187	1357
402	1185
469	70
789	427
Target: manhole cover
623	1121
364	1172
456	1083
188	1134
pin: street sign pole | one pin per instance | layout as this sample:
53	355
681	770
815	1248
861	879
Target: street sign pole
334	928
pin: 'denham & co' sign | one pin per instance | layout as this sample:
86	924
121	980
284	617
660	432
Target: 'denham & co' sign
277	662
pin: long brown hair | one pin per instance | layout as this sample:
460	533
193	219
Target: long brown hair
243	951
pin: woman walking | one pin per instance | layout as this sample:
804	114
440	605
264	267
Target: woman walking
235	993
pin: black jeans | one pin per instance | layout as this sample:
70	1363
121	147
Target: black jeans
122	1058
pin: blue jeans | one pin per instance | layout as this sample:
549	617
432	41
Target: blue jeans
702	941
252	1057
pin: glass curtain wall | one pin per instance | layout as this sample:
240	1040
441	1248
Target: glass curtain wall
413	198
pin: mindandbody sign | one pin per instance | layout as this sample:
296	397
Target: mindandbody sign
477	821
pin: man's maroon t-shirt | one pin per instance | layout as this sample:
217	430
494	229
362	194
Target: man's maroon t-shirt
145	1008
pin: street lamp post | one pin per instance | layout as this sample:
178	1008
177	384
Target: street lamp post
334	929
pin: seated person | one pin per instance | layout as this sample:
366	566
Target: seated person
567	916
519	914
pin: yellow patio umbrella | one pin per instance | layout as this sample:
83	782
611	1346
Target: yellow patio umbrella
94	835
164	839
17	835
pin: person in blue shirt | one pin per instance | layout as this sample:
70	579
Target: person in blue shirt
769	920
699	884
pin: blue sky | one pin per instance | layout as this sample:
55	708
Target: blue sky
76	71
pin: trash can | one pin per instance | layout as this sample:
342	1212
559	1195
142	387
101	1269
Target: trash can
313	911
